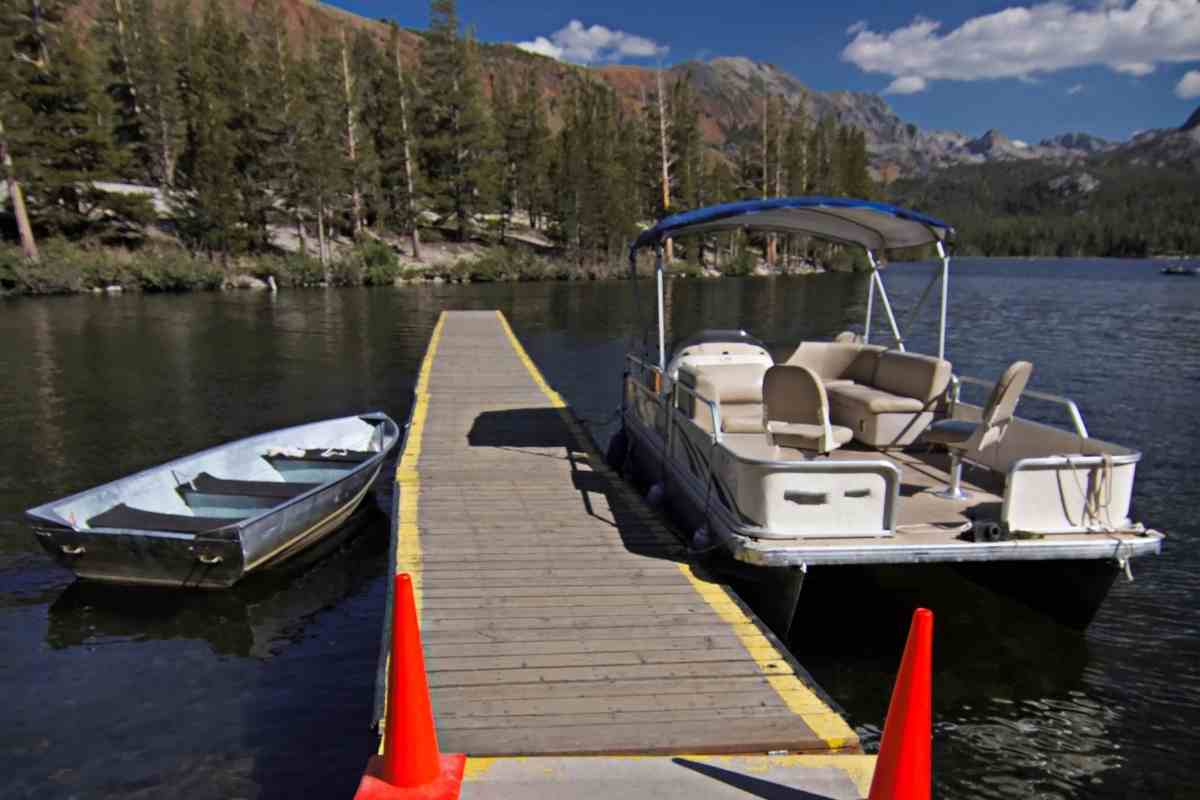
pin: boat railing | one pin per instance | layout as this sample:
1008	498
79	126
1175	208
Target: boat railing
713	408
1065	402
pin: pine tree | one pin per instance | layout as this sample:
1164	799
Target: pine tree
209	208
508	145
686	144
277	90
63	129
115	30
321	146
530	154
453	125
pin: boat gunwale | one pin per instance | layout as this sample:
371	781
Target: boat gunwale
45	513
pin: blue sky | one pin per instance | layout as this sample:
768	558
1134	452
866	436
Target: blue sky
1107	67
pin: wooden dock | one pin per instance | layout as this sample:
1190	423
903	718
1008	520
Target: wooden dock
559	615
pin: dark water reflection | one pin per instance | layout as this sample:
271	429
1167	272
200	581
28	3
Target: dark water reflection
266	691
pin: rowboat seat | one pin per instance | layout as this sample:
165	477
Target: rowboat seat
123	516
323	455
204	483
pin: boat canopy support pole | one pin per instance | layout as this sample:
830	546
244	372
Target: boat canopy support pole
887	306
870	300
910	322
662	339
945	292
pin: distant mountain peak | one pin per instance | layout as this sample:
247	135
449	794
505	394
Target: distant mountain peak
1083	143
1193	122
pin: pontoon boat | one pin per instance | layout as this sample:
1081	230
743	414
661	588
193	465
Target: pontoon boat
850	452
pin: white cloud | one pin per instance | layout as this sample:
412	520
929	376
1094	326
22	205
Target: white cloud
1025	41
1188	87
857	28
1076	89
1138	69
587	44
542	46
907	84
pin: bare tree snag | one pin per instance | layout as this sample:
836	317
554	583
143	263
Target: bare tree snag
665	152
28	243
123	55
351	142
408	165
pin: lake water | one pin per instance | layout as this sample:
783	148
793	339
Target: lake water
266	691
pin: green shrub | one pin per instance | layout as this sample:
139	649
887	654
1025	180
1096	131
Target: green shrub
743	263
849	259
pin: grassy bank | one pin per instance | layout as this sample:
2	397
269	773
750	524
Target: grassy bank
73	268
68	267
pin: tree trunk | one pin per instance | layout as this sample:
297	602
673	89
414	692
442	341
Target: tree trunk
665	153
322	243
301	236
351	143
408	167
28	243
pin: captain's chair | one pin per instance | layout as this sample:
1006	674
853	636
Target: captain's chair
960	435
796	411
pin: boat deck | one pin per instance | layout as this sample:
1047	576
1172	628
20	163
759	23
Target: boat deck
558	613
930	528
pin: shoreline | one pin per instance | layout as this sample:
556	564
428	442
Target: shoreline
71	269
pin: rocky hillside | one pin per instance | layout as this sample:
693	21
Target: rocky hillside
730	91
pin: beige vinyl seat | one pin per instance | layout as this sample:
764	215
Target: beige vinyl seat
796	411
737	390
959	435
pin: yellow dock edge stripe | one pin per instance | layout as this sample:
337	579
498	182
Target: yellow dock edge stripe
798	697
408	488
408	479
803	701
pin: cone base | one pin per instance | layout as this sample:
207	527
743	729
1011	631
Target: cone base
446	786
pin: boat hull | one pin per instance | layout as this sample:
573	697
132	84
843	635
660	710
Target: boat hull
198	562
219	558
143	557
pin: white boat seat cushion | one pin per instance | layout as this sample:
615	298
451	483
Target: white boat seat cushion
875	401
743	423
912	375
732	383
807	437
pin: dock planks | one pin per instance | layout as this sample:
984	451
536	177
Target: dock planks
559	615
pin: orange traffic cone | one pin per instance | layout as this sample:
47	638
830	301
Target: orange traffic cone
411	766
903	770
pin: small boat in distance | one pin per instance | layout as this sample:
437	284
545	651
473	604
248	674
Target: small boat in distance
1191	272
208	519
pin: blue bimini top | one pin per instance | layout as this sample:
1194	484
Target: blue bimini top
874	226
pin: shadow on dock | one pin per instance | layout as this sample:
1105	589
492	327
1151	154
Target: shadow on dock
544	433
751	786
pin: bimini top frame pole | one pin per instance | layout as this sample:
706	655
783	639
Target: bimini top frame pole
873	226
662	323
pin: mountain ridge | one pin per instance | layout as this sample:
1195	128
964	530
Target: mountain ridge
730	90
